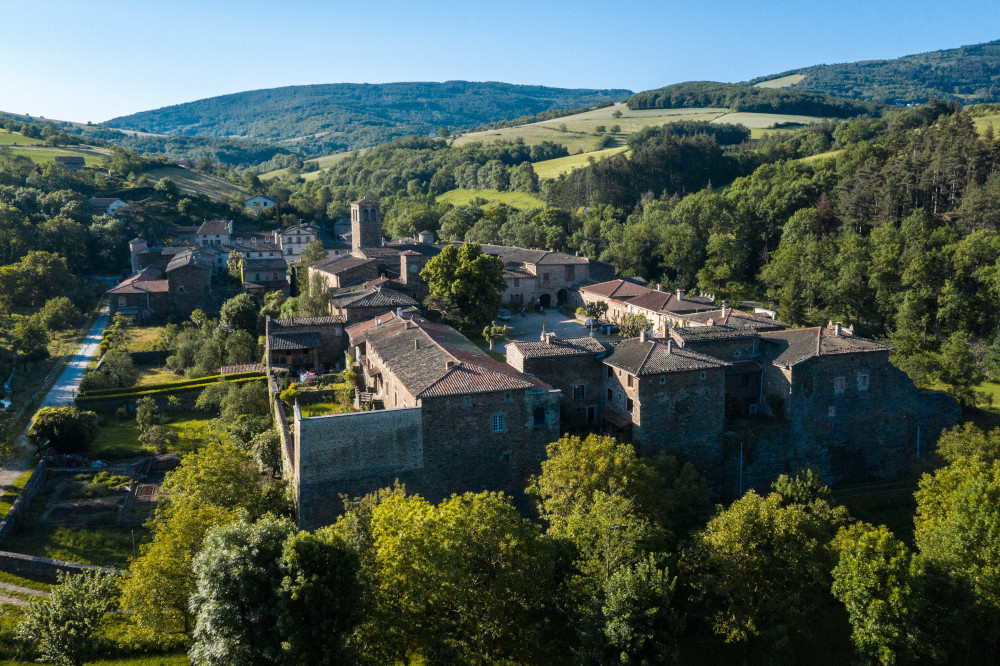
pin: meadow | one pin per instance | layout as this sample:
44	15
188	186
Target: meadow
519	200
324	162
13	138
92	157
781	82
197	183
119	439
561	165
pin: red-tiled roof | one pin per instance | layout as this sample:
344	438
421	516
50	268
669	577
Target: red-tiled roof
146	281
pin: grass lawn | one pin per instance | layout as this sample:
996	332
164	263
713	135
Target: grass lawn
324	408
92	157
12	491
144	338
514	199
197	183
560	165
781	82
101	545
764	120
119	440
11	138
158	376
21	581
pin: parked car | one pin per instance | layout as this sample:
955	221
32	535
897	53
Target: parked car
609	329
503	315
591	323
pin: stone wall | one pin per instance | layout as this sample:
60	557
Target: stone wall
42	567
281	425
566	373
352	454
9	522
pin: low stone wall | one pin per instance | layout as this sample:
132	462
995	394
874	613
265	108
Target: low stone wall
42	567
20	505
281	424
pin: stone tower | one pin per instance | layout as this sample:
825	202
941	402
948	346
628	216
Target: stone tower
366	224
137	246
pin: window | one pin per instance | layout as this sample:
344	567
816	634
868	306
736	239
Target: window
253	240
538	418
702	375
611	371
180	289
839	385
628	405
506	396
267	240
807	385
499	423
395	398
831	411
204	242
570	272
610	394
121	301
505	457
545	277
517	282
629	381
289	251
663	379
580	392
621	397
863	380
239	241
743	381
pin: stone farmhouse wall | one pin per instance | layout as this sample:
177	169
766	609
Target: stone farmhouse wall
566	373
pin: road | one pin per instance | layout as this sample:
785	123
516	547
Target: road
60	395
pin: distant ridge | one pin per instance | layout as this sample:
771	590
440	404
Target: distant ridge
969	74
329	117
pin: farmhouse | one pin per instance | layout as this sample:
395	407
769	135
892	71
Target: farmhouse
155	293
259	204
71	162
106	205
305	343
662	309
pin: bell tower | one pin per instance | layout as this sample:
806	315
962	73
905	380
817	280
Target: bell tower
366	224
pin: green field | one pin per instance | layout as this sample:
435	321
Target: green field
821	156
560	165
782	82
119	439
514	199
982	122
197	183
92	157
324	162
10	138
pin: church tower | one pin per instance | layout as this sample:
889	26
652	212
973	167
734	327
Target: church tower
366	224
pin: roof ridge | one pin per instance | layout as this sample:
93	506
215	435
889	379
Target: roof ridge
646	359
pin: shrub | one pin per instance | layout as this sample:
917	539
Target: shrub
66	429
59	314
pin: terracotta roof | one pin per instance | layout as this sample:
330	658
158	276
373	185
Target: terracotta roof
787	348
661	301
146	281
298	322
215	227
651	357
734	317
372	298
354	330
433	360
687	334
559	347
617	289
293	340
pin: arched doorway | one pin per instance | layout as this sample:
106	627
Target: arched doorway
545	300
561	297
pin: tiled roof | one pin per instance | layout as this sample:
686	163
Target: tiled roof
304	228
514	271
265	264
298	322
334	265
520	255
381	252
190	257
742	367
215	227
238	369
293	340
354	330
408	246
559	347
69	159
661	301
786	348
617	289
651	357
146	281
687	334
433	360
372	298
102	202
733	317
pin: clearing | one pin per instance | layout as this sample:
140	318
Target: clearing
782	82
982	122
560	165
197	183
92	157
521	200
118	439
821	156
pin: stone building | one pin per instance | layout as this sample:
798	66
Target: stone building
295	239
454	420
662	309
214	232
366	224
142	297
660	395
572	366
189	275
726	316
305	343
361	304
175	290
264	275
343	271
739	346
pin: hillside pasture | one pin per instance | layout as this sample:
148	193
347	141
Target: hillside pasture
92	157
782	82
325	162
982	122
560	165
13	138
821	156
197	183
519	200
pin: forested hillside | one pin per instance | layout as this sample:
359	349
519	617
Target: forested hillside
969	74
331	117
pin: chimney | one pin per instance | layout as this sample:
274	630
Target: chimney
725	309
450	363
416	344
642	335
670	345
659	287
837	329
549	337
378	322
542	336
680	294
399	312
710	322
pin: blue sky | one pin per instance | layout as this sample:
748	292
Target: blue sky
95	59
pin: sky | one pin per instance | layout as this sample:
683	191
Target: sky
91	60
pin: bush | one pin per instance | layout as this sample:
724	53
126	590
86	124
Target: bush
66	429
59	314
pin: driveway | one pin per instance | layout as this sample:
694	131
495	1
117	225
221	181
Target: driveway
60	395
529	328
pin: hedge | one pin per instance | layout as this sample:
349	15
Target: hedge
211	379
128	395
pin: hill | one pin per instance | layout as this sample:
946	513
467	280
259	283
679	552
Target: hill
195	183
326	118
969	74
